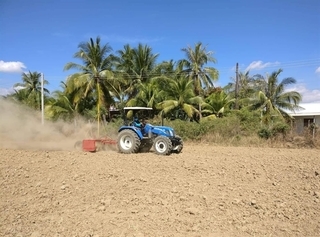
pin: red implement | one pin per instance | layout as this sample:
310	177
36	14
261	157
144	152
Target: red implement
90	144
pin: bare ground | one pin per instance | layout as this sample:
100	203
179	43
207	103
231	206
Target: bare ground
206	190
49	189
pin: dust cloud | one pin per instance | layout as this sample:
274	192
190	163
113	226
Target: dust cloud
21	128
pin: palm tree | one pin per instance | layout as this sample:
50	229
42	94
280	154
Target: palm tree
30	93
144	61
167	68
247	86
94	72
217	103
124	65
124	60
149	95
137	65
195	68
20	96
119	87
180	98
273	99
60	106
67	104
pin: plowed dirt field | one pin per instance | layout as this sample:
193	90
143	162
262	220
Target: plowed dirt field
206	190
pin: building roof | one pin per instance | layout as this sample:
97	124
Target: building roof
309	109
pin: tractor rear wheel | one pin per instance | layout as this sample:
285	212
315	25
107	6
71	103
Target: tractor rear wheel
162	145
128	142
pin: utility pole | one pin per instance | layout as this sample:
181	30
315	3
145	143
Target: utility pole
42	100
237	88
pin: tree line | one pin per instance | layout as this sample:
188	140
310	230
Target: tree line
182	89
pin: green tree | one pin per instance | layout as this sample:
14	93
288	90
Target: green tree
167	68
180	98
95	72
67	104
120	84
30	92
149	95
60	107
137	65
20	96
144	61
124	64
194	67
247	86
217	103
272	99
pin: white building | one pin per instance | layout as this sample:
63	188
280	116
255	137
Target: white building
306	117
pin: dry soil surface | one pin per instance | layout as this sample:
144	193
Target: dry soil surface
206	190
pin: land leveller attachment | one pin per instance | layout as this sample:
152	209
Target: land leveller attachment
90	145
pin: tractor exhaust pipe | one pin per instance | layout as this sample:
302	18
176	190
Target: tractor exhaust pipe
162	118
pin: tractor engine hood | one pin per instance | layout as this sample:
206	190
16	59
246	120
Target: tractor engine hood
163	130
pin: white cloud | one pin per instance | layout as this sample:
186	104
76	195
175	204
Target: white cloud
258	65
308	95
317	70
6	91
11	67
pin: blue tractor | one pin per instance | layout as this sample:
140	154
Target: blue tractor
140	136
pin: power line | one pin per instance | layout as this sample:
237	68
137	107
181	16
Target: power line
229	69
222	70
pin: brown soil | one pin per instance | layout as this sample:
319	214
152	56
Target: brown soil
204	191
50	189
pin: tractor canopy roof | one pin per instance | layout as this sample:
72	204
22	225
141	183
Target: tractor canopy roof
140	112
137	108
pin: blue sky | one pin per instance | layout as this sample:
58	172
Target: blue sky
261	35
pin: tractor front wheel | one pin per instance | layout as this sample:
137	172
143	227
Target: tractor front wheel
128	142
178	148
162	145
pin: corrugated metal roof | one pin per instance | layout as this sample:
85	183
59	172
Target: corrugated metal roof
310	109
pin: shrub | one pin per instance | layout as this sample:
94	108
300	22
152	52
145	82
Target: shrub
231	128
274	131
265	133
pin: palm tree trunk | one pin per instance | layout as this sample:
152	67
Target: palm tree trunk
197	91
